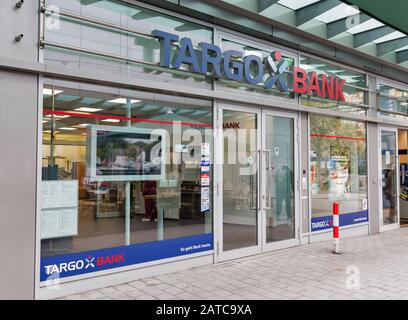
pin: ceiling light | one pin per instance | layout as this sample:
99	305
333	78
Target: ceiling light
48	92
56	116
111	120
67	128
123	101
87	109
82	125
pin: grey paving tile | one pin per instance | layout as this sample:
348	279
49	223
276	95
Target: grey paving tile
301	273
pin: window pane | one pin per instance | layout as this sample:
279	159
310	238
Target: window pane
393	101
338	170
131	165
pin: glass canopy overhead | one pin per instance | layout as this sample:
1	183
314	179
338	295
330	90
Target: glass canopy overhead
335	21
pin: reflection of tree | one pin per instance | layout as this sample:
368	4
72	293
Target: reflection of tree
112	146
106	151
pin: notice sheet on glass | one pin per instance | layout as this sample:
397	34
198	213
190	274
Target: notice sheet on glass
59	209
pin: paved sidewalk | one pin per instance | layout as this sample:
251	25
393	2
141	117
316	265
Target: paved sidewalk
306	272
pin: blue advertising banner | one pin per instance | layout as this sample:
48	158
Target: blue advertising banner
346	219
91	261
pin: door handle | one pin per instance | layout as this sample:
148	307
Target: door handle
267	194
253	184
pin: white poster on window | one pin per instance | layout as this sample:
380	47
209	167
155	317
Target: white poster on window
57	194
205	194
68	222
68	193
205	149
338	178
205	179
387	157
50	224
59	209
50	194
364	204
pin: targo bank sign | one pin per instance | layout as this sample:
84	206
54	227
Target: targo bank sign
233	65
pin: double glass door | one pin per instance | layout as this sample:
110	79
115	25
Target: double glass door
258	194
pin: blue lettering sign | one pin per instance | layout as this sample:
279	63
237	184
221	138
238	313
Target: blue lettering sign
186	55
346	219
258	76
233	70
215	60
73	264
228	64
166	39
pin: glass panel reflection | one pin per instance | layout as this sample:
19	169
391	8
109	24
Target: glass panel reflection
389	177
279	174
240	180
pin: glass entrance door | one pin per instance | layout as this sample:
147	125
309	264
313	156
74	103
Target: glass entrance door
257	181
240	185
279	172
389	179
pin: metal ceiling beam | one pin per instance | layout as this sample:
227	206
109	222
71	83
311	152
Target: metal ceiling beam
185	27
143	15
402	56
309	12
336	27
365	37
388	46
264	4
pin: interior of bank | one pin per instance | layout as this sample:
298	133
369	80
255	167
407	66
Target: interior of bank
403	181
102	186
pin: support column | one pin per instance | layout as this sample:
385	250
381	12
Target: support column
374	166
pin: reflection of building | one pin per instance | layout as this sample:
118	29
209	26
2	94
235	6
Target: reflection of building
291	155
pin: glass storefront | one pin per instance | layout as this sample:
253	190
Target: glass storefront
126	177
338	171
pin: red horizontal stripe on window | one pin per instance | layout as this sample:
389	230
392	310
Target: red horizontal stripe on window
336	137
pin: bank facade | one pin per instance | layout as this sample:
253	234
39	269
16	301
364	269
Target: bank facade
141	140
